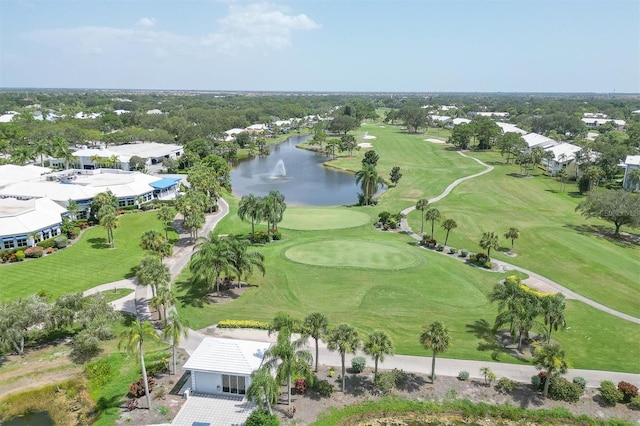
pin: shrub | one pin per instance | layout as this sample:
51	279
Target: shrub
325	389
300	385
99	371
400	377
332	372
453	250
464	253
428	241
487	265
580	382
635	403
505	385
61	242
536	382
136	389
561	389
158	367
628	390
385	382
85	345
357	364
49	250
244	324
440	247
261	417
276	235
19	255
46	243
609	393
463	376
34	252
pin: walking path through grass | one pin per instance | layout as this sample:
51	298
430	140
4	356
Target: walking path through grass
535	281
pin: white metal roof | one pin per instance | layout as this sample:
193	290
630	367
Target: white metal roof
441	118
457	121
18	217
534	139
11	173
510	128
632	160
145	149
566	150
102	153
227	356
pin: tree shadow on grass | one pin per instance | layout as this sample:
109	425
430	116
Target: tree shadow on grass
482	330
105	403
99	243
193	293
626	241
526	397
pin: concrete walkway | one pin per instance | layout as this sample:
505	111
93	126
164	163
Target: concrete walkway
534	280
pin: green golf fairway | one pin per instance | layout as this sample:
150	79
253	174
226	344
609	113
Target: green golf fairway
351	253
316	218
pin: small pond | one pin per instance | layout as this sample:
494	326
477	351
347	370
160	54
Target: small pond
34	419
298	174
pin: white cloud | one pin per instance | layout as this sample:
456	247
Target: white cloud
147	23
257	26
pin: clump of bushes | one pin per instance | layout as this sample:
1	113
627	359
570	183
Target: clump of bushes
464	253
505	385
261	417
580	381
300	385
325	389
261	325
61	242
358	364
34	252
99	371
429	241
628	390
453	250
635	403
561	389
463	376
609	394
386	381
136	389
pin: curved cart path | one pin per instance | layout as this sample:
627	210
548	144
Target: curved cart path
535	281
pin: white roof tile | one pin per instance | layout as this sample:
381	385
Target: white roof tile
227	356
19	217
632	160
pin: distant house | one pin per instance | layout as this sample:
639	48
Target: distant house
493	114
441	119
224	366
458	121
632	162
536	140
154	112
510	128
594	123
563	154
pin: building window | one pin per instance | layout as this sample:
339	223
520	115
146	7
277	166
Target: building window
8	244
233	384
21	241
46	234
122	203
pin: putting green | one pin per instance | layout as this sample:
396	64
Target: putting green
352	253
312	219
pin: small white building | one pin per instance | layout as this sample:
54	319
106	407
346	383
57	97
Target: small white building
536	140
594	123
93	158
563	154
224	366
459	120
493	114
510	128
632	162
440	118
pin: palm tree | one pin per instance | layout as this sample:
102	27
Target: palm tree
152	240
73	208
552	359
211	257
263	388
448	225
41	147
343	338
166	215
284	321
288	357
61	150
432	214
109	219
175	329
553	311
132	340
422	205
152	272
243	261
512	234
369	180
377	346
633	178
488	241
166	298
563	176
21	155
315	326
277	207
436	339
249	206
521	316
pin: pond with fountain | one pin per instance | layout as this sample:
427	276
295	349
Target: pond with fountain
298	174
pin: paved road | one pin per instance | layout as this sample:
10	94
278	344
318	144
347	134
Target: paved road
535	281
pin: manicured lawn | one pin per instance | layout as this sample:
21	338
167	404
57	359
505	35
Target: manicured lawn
316	218
87	263
433	287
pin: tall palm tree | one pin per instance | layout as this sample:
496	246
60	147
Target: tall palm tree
563	176
488	241
521	317
448	225
553	311
278	206
436	339
166	215
422	205
211	257
73	208
61	150
21	155
288	357
432	214
132	340
175	329
249	207
552	359
377	346
512	234
343	338
41	147
263	388
369	181
242	261
315	326
166	298
109	219
152	272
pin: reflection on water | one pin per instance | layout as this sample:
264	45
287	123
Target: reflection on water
298	174
33	419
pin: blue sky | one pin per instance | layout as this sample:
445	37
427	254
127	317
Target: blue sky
323	45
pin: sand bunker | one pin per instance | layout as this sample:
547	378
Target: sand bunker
365	145
435	140
368	137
